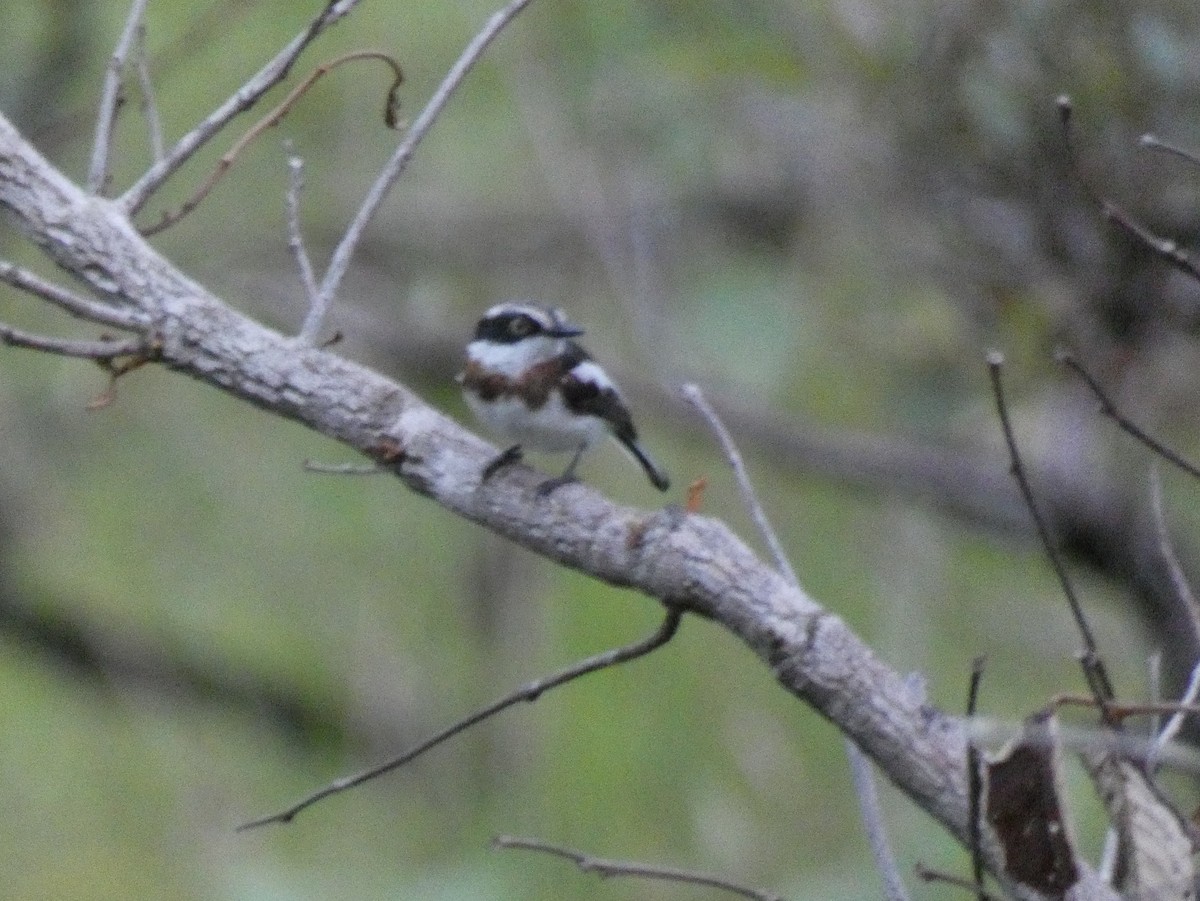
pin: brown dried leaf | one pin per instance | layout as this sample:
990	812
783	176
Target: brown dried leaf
1023	811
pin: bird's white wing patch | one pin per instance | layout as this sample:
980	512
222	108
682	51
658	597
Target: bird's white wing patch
588	371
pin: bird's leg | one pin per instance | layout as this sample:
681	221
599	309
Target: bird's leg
551	485
505	458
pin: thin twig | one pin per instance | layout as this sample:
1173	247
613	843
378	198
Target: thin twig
872	813
295	234
1167	249
574	175
925	874
110	99
1154	687
860	770
1066	112
693	395
1109	409
606	868
1106	869
81	307
1183	589
149	352
392	170
1125	710
1126	745
1093	666
975	781
1152	142
270	120
530	692
345	469
1175	723
102	349
141	62
243	99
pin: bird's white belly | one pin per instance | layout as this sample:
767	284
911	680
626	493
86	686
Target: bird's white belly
550	428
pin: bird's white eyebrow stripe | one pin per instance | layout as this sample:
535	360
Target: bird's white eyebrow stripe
546	318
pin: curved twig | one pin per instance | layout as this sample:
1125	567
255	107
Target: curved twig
1109	409
696	398
606	868
1153	142
1164	247
273	118
242	99
530	692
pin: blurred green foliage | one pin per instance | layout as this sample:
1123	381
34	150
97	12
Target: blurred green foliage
826	209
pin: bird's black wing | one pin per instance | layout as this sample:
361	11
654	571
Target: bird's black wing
588	397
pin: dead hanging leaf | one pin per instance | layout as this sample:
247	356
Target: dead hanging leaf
695	495
1155	844
104	398
1023	811
387	451
116	367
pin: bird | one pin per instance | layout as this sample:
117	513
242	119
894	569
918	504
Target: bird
528	380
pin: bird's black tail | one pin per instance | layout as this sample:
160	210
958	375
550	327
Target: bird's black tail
658	477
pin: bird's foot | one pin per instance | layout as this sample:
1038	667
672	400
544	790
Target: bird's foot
505	458
549	486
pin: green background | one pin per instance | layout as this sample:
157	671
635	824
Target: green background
824	213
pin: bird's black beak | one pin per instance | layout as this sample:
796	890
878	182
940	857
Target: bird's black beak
565	330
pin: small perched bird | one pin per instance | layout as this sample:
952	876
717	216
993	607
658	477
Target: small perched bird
528	381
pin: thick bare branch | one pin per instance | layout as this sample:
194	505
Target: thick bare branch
694	563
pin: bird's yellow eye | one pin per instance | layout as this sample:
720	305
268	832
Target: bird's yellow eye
520	327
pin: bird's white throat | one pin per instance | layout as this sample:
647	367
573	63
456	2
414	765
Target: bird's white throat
513	360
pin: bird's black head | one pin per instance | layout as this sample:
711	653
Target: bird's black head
509	323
